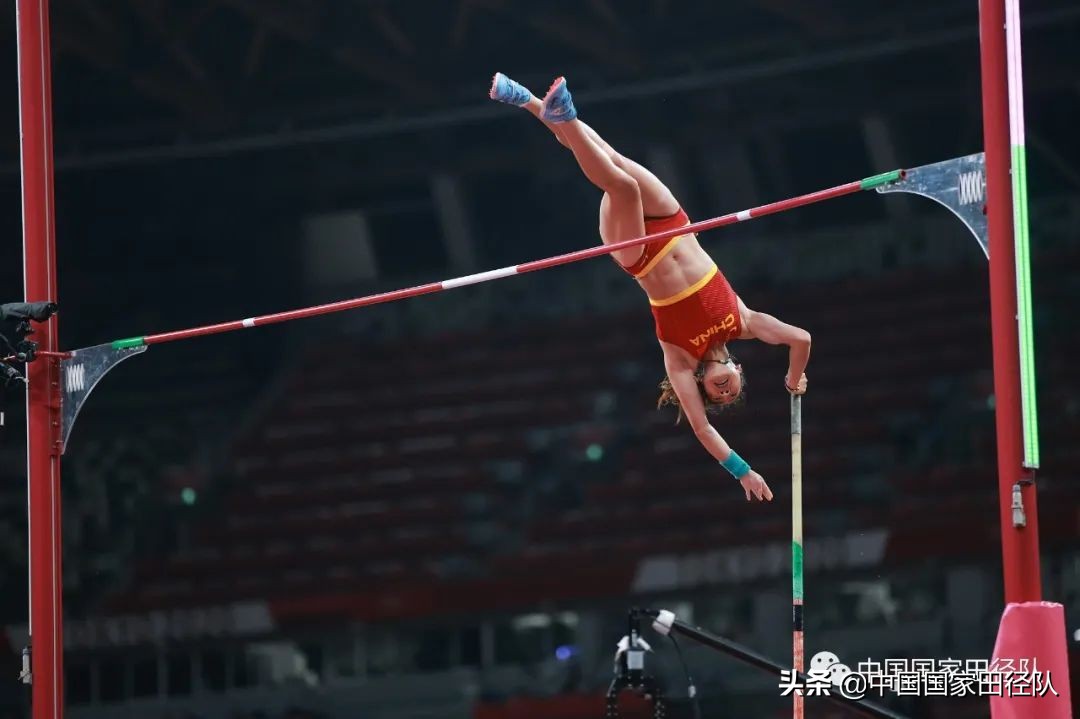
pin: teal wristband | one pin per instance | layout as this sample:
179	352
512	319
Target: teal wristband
736	465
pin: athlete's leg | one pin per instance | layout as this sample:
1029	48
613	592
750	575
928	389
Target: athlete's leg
533	106
621	214
596	160
656	199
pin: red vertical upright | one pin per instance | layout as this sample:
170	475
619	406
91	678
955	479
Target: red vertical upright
1030	629
1019	546
43	392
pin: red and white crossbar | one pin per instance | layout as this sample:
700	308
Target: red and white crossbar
730	219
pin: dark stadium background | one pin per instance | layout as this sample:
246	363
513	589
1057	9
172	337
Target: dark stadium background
438	508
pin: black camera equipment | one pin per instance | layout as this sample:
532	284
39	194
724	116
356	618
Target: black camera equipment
16	326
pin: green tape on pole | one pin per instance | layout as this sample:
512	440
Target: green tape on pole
128	343
1029	407
878	180
796	571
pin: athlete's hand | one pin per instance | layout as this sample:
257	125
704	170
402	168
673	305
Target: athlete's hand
799	388
755	486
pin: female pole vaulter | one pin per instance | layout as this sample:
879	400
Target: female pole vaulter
696	311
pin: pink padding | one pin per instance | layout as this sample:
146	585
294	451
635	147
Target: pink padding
1034	631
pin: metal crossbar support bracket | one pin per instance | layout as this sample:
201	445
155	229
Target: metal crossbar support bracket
80	373
958	184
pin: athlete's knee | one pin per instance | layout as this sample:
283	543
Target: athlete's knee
622	186
621	162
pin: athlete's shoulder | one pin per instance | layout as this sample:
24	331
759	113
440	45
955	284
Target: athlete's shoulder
746	320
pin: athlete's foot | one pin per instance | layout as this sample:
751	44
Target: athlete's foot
558	106
506	90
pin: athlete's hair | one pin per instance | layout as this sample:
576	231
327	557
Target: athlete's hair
668	396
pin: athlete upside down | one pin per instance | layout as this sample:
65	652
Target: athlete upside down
696	311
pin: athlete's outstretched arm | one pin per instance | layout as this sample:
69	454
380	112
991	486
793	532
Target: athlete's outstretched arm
772	331
681	375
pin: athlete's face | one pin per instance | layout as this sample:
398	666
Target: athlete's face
722	381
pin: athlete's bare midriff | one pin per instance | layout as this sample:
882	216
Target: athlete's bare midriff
683	266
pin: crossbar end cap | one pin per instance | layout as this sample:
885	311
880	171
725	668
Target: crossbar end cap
664	620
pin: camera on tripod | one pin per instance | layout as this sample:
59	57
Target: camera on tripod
16	326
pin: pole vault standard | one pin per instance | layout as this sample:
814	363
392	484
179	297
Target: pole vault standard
1029	627
43	396
1019	544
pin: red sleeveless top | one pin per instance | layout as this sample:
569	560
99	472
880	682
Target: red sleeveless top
653	252
704	314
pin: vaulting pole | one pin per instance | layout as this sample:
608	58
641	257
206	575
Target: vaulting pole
798	654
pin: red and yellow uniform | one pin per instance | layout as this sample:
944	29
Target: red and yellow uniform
653	252
705	313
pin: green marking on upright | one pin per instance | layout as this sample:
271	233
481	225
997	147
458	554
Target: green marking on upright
796	571
128	343
1029	407
884	178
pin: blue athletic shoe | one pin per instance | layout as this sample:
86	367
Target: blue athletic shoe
558	106
506	90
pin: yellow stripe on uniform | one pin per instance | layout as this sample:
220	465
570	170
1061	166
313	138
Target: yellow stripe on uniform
659	256
691	290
